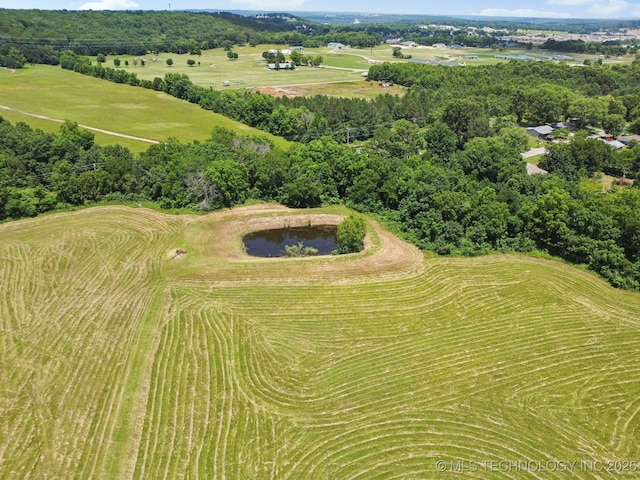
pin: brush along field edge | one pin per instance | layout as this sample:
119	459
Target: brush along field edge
121	359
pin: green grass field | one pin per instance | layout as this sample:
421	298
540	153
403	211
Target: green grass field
63	95
248	71
119	360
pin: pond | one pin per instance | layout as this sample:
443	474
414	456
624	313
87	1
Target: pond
271	243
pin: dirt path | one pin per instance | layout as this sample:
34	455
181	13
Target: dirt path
87	127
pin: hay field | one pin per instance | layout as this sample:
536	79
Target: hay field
64	95
121	360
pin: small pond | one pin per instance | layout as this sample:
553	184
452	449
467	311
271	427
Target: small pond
271	243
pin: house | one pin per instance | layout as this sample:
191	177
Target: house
280	66
626	139
444	63
439	45
471	57
297	48
563	125
543	131
409	44
609	141
614	143
337	45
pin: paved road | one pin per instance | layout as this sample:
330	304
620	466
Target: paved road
94	129
533	152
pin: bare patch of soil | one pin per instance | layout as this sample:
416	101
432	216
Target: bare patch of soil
177	253
280	91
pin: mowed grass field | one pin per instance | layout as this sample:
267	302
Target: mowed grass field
64	95
119	360
248	71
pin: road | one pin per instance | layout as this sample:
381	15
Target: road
87	127
534	152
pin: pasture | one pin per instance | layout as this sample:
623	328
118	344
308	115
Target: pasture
122	360
248	71
59	95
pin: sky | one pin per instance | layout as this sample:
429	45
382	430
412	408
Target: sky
625	9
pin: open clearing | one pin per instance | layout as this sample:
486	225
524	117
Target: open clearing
339	65
46	91
119	359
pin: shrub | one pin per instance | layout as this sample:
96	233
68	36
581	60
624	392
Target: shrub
351	234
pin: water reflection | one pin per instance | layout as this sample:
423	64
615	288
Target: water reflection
271	243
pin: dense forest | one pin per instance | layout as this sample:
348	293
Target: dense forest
40	36
441	165
134	33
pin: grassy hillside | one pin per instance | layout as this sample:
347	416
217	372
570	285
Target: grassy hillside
63	95
120	360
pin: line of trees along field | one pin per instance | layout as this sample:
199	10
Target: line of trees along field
462	201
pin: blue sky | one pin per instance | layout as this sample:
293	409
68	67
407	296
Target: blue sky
533	8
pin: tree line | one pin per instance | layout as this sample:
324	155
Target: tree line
466	200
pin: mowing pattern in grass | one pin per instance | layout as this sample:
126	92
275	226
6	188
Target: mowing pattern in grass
119	361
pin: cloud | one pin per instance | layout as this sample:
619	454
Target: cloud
570	2
110	5
279	5
601	8
521	12
611	7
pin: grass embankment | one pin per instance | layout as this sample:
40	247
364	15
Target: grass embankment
63	95
120	361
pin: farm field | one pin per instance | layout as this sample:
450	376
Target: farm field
248	71
122	359
63	95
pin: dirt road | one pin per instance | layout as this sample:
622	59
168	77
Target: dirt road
87	127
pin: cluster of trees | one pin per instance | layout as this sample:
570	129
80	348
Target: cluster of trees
299	59
11	57
612	48
274	57
397	53
533	92
451	199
